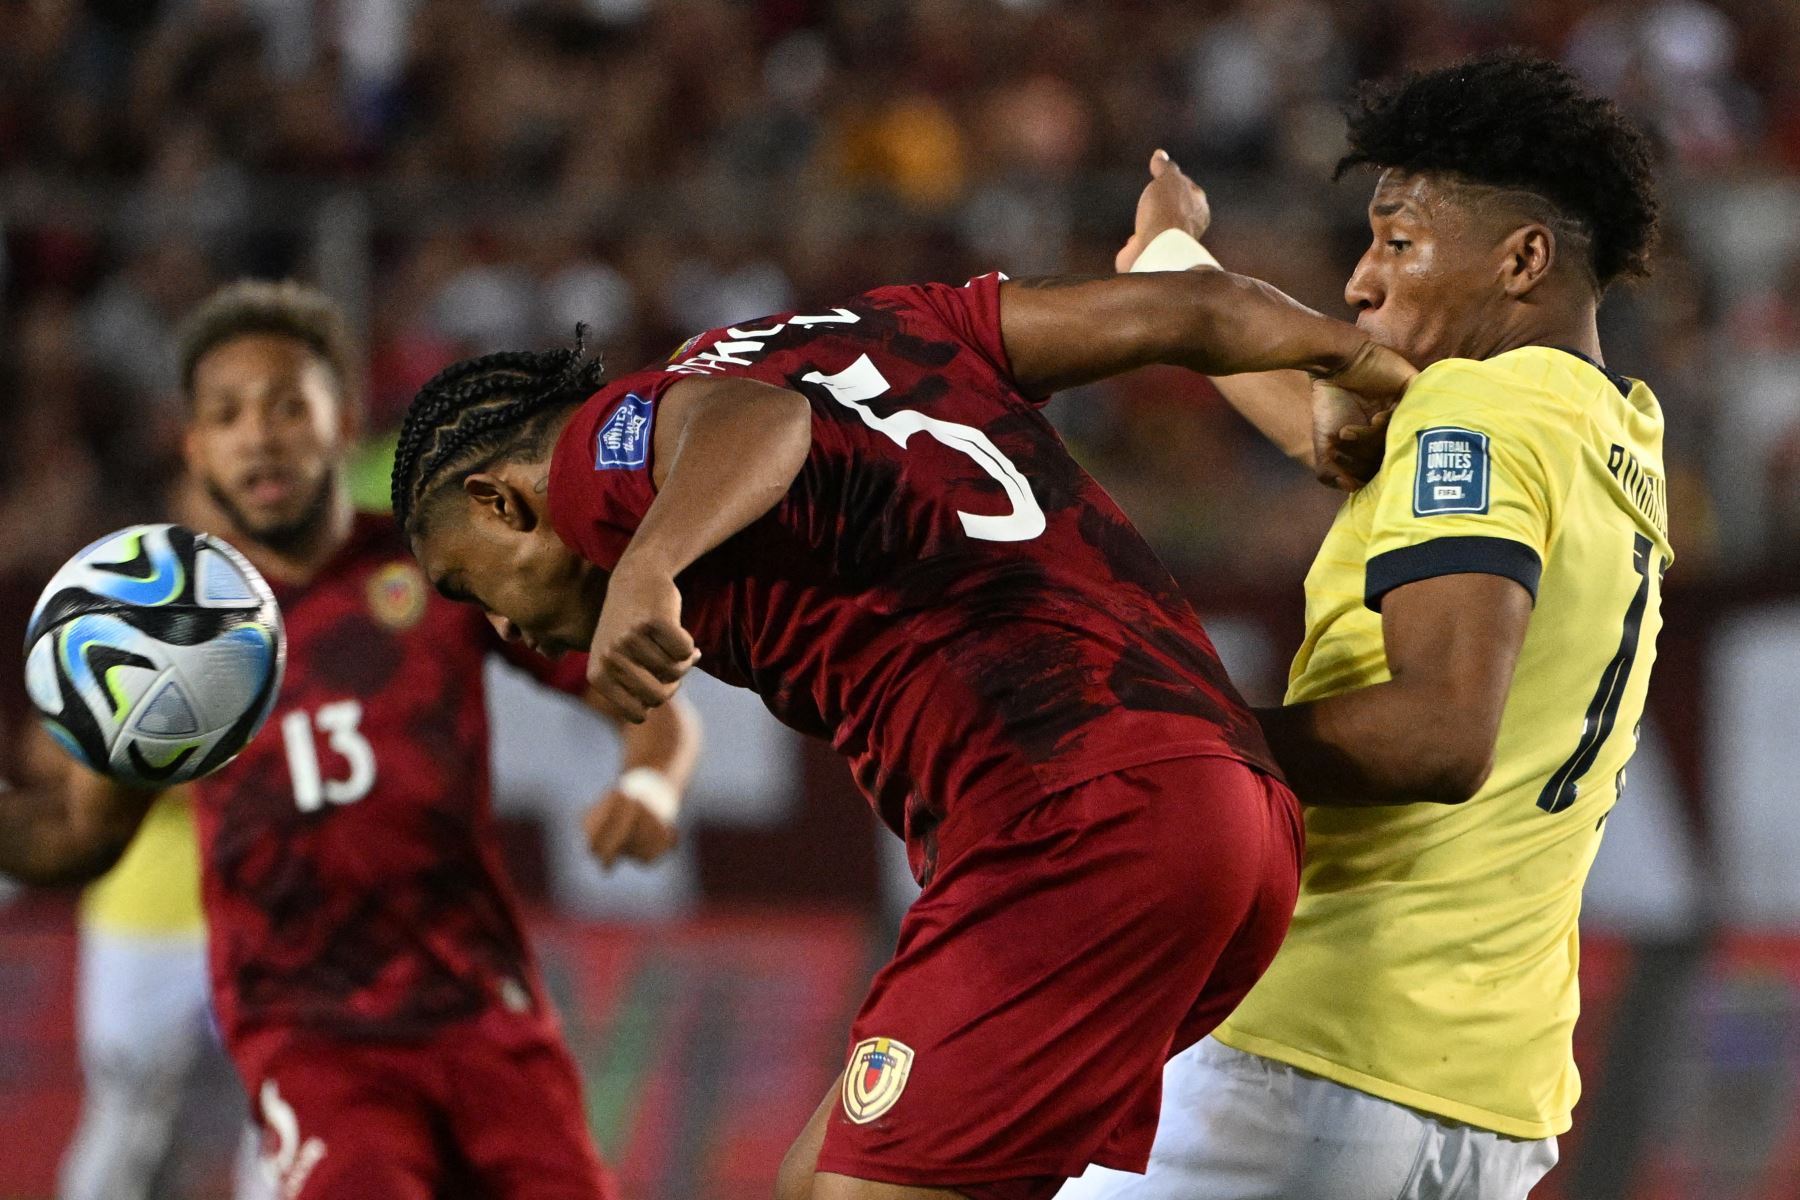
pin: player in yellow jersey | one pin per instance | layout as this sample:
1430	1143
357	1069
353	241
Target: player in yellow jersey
1481	622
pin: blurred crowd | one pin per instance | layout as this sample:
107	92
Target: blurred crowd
469	174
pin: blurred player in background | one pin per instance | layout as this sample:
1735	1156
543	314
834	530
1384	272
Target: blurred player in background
864	516
143	1012
369	969
1481	623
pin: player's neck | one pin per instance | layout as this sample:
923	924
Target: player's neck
297	565
294	565
1569	330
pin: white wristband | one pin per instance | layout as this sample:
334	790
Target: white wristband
1173	250
652	789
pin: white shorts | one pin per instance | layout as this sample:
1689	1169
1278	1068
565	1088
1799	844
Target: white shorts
145	1005
1239	1127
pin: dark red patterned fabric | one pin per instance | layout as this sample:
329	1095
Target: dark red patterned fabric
874	605
388	914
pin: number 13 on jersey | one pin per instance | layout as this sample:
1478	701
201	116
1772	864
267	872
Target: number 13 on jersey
340	722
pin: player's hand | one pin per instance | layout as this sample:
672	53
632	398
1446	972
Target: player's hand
640	651
1169	201
621	826
1348	443
1350	409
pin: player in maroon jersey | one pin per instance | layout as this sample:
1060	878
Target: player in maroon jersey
863	515
370	972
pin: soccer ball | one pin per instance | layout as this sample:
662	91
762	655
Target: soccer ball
155	655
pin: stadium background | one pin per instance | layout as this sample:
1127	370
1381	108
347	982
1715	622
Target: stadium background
466	174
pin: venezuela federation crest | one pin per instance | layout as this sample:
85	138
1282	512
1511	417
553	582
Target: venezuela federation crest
875	1078
397	595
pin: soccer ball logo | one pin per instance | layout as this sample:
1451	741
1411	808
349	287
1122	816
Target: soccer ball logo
155	655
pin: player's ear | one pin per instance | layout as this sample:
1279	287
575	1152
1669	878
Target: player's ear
190	446
350	417
1528	253
495	496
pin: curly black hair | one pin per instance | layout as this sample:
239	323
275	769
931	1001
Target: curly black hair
1512	120
282	307
479	411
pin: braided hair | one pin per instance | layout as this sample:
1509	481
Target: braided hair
479	411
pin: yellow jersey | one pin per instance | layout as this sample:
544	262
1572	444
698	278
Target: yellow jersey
154	890
1432	958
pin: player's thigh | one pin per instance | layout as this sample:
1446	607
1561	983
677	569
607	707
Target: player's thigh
518	1120
798	1178
794	1179
843	1187
1236	1126
343	1123
1462	1163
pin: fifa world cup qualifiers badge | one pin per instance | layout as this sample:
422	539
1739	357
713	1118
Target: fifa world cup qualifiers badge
875	1078
624	441
1452	472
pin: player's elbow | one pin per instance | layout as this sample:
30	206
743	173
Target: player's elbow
1452	761
71	868
1455	780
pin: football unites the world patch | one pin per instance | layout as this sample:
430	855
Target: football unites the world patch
1452	472
875	1078
624	441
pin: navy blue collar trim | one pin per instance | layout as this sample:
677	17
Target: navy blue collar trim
1619	381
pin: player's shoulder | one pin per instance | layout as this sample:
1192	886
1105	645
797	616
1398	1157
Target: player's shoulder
612	427
377	533
375	575
1544	376
1537	388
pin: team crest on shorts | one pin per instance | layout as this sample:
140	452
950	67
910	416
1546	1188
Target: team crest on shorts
875	1078
397	595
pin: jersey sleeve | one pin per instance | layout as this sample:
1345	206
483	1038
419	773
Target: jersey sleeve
1471	484
972	314
600	475
565	673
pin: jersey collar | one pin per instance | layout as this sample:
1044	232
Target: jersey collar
1619	381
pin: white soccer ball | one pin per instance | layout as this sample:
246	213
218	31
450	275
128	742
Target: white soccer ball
155	655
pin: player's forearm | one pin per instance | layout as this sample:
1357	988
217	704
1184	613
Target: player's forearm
1279	404
1378	745
739	447
667	742
45	842
1060	333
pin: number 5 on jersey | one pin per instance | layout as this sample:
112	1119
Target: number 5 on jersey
339	723
862	381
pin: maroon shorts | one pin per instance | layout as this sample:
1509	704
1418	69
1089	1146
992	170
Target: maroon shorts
1048	971
463	1113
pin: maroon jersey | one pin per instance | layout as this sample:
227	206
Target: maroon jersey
942	592
351	873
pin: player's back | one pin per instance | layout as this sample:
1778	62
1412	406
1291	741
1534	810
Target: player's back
351	876
943	592
1446	935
